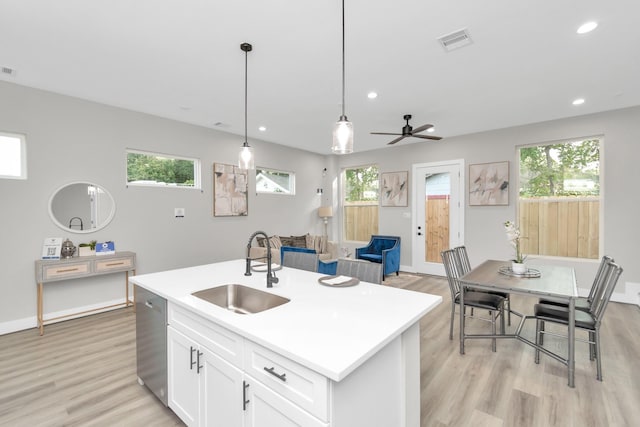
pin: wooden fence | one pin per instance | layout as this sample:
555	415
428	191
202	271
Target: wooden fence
567	227
360	221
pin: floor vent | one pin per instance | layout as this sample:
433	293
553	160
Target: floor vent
8	71
455	40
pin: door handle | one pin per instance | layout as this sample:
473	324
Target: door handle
191	361
245	401
199	365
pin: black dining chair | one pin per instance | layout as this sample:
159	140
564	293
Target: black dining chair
589	321
463	258
479	300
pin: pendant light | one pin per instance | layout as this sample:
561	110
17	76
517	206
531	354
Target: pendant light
343	129
246	158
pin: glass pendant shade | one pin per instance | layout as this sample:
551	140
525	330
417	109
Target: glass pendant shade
342	136
246	157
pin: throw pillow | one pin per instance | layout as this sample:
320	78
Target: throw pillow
275	242
286	241
318	243
297	241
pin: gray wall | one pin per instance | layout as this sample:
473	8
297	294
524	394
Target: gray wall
484	235
70	140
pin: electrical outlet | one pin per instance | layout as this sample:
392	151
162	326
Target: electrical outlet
179	212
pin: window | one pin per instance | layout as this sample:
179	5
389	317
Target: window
13	156
360	189
274	181
559	199
162	170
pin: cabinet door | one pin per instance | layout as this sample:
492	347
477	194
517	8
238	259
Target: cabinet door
183	377
220	391
266	408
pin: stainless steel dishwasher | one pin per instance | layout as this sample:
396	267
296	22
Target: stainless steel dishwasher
151	341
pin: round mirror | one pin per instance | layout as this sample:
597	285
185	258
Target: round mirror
81	207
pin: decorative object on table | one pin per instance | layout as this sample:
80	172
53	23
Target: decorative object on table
325	212
230	189
87	249
395	188
489	184
528	272
513	236
105	248
338	281
68	249
51	248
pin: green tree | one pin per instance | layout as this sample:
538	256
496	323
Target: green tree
359	181
144	167
544	168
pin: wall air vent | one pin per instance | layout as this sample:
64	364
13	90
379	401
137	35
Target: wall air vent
7	71
455	40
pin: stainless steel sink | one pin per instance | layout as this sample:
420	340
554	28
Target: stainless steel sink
241	299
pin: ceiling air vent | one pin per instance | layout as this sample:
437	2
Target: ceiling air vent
455	40
8	71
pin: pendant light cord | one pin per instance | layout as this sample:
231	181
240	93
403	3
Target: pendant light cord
343	61
246	54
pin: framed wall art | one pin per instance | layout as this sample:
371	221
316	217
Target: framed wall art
489	184
394	188
230	190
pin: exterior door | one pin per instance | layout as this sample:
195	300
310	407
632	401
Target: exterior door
439	213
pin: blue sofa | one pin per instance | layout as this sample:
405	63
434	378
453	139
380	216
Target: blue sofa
382	249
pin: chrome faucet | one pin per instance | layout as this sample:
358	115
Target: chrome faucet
271	276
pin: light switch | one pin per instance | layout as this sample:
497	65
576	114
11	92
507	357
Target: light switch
179	212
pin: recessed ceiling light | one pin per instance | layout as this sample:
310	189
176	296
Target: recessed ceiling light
578	101
431	129
372	95
587	27
262	128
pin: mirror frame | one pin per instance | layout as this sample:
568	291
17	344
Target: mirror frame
91	230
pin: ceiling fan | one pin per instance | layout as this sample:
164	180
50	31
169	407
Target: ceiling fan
408	131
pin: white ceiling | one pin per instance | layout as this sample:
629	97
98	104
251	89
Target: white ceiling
181	59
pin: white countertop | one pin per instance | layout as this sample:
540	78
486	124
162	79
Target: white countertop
331	330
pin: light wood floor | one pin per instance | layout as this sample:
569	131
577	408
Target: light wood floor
83	373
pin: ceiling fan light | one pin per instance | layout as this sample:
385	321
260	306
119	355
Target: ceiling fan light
342	136
246	157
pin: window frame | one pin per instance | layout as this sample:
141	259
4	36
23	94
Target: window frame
23	155
601	194
197	168
343	204
292	181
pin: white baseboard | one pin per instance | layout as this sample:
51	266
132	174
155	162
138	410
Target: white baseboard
630	296
32	322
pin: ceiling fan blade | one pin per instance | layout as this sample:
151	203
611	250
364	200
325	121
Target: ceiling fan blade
384	133
396	140
433	137
421	128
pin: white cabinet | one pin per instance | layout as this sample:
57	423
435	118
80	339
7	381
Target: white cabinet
211	384
203	389
218	378
266	408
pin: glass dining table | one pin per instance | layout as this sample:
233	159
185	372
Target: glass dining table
554	283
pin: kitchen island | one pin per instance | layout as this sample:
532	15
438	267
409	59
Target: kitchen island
331	356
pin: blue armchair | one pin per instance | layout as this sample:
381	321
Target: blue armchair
384	250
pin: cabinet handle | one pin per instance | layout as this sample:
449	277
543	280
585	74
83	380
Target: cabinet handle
67	270
245	401
113	264
271	370
199	365
191	361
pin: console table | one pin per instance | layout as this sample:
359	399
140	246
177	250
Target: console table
79	268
